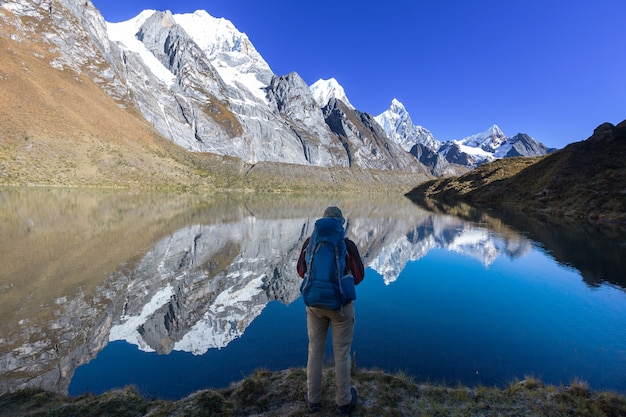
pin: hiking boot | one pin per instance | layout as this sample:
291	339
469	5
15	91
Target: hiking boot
346	410
313	407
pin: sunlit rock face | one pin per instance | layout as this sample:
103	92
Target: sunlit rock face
292	99
365	141
200	82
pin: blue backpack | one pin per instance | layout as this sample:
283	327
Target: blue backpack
326	265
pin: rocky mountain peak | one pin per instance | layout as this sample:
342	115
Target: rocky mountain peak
397	124
522	145
285	89
324	90
397	107
154	30
201	83
365	141
488	140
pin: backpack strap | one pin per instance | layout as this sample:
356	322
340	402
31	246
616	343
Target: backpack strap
339	272
309	263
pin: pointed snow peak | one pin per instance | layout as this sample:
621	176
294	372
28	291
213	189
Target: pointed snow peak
395	120
397	124
494	130
488	140
394	116
324	90
202	13
397	107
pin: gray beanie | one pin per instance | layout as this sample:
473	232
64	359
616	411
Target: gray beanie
333	211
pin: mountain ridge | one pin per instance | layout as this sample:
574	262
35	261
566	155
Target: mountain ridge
454	157
109	142
201	83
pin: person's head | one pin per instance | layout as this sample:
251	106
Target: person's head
333	211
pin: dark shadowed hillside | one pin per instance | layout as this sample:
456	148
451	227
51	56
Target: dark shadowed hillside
584	181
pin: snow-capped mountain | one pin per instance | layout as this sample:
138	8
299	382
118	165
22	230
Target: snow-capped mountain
253	114
230	51
475	149
468	152
438	156
200	82
417	140
489	145
324	90
488	140
397	124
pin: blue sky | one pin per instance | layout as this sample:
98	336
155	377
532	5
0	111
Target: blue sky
554	69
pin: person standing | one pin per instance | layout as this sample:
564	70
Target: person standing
341	322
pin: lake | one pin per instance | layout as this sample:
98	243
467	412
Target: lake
174	293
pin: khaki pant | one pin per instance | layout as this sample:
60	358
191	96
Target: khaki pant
342	327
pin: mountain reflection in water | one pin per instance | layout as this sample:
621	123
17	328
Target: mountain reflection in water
189	273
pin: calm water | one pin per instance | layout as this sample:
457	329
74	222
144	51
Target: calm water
177	293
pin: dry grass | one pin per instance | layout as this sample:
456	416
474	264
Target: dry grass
268	393
57	127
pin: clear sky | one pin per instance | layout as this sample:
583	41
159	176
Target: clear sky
554	69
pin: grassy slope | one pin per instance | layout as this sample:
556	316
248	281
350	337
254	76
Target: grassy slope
59	128
281	394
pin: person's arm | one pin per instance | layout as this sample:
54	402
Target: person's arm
301	267
354	261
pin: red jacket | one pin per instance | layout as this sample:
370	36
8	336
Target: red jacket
353	259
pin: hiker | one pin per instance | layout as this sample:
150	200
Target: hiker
338	314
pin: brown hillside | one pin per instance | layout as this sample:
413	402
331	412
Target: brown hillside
58	127
585	180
